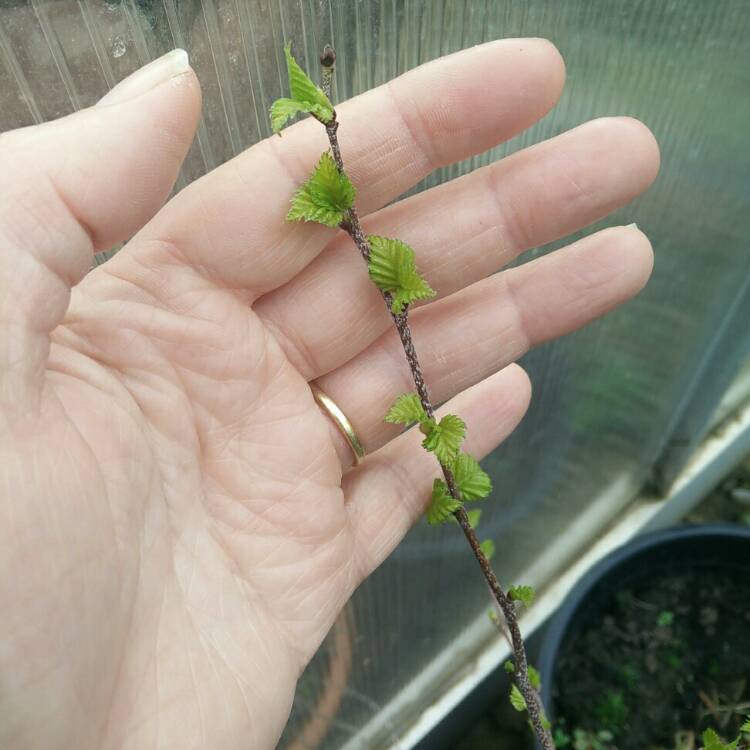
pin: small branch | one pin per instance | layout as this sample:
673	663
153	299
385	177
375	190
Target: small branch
508	607
404	333
353	228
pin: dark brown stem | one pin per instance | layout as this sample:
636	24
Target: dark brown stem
508	607
353	228
404	333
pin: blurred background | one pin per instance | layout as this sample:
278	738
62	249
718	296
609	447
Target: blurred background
618	409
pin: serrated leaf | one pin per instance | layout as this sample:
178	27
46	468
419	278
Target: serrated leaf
516	699
305	97
523	594
331	188
444	438
472	481
712	741
474	516
488	547
304	91
746	726
282	110
442	505
325	197
406	410
534	677
304	208
393	269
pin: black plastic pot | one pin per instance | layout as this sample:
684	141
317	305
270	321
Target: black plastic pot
677	550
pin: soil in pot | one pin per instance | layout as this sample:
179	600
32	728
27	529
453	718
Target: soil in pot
658	663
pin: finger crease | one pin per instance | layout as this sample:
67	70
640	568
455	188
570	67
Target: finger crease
418	139
513	296
511	228
87	230
294	347
296	176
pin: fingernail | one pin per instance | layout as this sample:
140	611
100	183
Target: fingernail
148	77
632	226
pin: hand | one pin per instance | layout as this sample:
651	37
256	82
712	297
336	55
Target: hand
179	522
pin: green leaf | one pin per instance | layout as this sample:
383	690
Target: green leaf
474	516
712	741
444	437
442	505
746	726
304	208
393	269
488	547
516	699
305	97
523	594
471	480
562	738
406	410
283	109
665	619
509	667
331	188
534	677
304	91
325	197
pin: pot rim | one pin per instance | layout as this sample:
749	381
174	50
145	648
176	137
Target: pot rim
561	619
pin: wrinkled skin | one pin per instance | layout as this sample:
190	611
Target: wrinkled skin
179	523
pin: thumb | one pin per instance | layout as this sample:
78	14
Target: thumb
74	186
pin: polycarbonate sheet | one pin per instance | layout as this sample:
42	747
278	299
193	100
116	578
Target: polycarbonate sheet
610	402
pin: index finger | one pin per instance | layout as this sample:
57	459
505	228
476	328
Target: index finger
230	224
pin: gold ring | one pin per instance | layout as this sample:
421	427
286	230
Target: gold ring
340	420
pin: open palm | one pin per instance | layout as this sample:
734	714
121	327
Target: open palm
179	522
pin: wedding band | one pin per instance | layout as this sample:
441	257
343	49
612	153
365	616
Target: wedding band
340	420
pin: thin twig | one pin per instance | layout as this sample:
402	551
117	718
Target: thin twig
353	228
